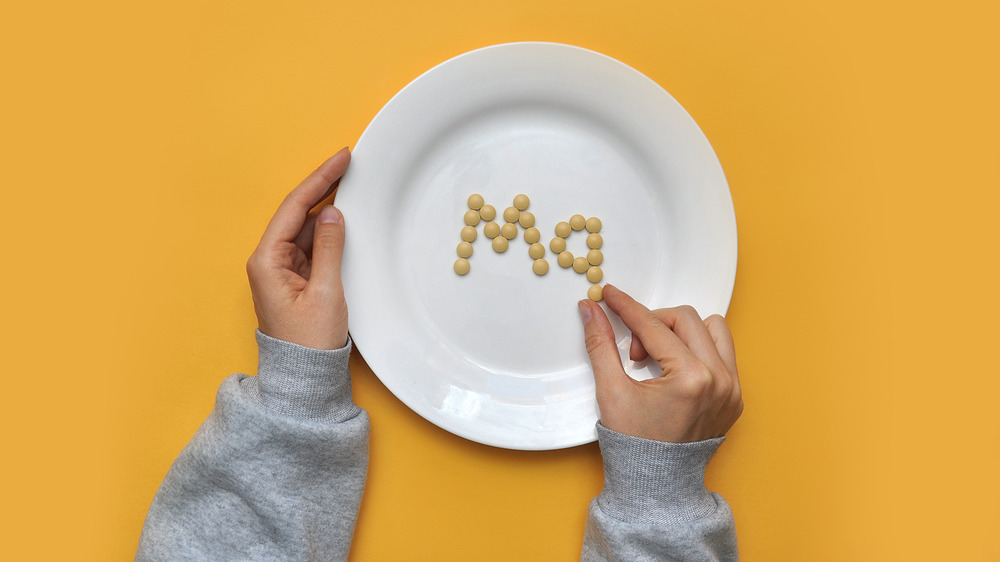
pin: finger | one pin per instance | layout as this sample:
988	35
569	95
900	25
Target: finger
723	340
635	351
291	215
601	347
657	340
304	240
328	249
689	327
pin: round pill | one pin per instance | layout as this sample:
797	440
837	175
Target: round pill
511	214
509	231
580	264
521	201
488	212
476	201
595	241
593	224
565	259
532	235
594	274
461	266
536	250
500	244
577	222
471	218
563	229
468	233
527	219
464	249
491	230
595	257
558	245
595	292
540	267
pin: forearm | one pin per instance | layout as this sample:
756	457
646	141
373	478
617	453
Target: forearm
276	471
654	505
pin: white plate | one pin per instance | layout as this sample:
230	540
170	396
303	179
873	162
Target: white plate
497	356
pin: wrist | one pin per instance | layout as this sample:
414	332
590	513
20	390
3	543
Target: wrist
323	339
647	481
302	382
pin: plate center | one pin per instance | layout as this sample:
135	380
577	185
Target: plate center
503	317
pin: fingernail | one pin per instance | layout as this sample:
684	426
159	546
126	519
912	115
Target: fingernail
329	214
585	311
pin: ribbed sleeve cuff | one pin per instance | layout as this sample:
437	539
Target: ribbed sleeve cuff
654	482
302	382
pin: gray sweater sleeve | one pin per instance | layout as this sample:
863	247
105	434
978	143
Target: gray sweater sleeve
277	470
654	505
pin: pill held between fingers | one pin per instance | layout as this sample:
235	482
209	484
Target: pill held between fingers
476	201
594	274
593	224
563	229
595	257
527	219
558	245
536	250
595	292
491	230
521	201
580	264
461	266
565	259
577	222
464	249
488	212
471	218
468	233
509	231
595	241
500	244
540	267
532	235
511	214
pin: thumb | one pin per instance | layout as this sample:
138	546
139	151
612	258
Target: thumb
604	358
328	248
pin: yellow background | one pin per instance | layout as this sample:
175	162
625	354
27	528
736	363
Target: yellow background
145	145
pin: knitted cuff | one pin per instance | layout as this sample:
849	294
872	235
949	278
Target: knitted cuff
654	482
302	382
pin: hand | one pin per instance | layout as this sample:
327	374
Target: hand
295	270
698	395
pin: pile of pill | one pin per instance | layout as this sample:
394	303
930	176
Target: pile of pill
580	264
517	214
